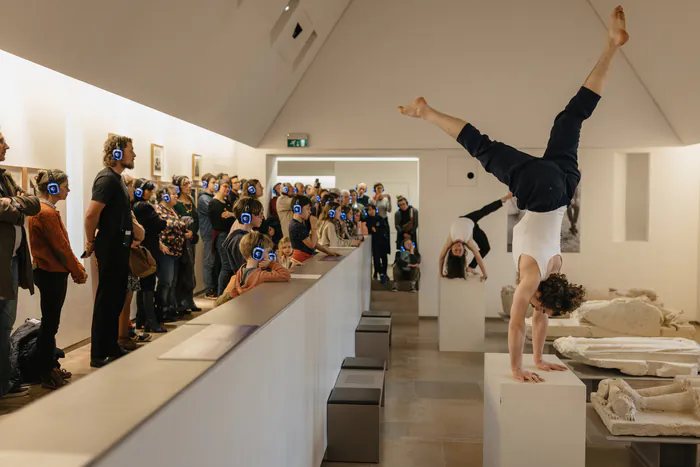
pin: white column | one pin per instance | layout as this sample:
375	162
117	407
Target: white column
543	424
462	315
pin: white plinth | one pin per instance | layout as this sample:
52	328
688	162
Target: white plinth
525	424
462	315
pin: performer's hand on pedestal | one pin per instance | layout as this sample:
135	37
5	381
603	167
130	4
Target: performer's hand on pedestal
524	375
544	366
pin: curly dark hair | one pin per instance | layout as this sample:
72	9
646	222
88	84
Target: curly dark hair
557	294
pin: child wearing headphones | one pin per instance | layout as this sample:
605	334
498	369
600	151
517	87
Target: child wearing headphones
260	267
407	265
285	252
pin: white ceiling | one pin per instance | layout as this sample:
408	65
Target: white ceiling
665	54
508	66
209	62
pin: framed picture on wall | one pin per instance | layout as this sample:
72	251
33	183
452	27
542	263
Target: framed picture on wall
196	169
157	160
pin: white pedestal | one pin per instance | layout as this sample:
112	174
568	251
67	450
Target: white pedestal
462	315
525	424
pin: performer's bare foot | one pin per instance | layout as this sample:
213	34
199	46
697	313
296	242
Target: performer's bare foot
472	271
617	31
416	109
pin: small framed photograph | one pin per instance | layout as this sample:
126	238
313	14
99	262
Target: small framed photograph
196	169
157	160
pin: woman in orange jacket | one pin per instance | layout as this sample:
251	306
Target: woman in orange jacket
53	261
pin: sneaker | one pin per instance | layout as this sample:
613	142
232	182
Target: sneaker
141	338
395	287
211	295
16	391
53	380
414	288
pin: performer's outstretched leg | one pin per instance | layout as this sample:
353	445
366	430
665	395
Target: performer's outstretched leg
562	147
497	158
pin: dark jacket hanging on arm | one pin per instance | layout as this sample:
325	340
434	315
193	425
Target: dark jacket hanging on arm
14	207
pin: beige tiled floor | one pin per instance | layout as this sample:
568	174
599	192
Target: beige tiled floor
434	402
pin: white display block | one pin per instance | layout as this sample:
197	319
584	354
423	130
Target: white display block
521	419
462	315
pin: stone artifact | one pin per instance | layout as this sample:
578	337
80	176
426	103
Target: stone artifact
620	317
638	356
669	410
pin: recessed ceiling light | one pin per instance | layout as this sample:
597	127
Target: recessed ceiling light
286	8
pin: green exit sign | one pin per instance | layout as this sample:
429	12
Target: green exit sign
297	140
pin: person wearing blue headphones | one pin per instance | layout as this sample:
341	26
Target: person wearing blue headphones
252	189
284	207
109	212
249	214
53	262
329	225
260	266
173	239
211	276
304	237
407	265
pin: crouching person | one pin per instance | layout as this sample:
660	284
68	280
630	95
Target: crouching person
260	267
407	265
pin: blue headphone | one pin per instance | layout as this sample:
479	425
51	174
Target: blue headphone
246	216
296	190
318	199
366	213
205	184
274	192
166	197
273	257
343	216
52	187
285	189
252	190
216	187
117	153
331	213
258	252
138	193
177	189
404	249
297	208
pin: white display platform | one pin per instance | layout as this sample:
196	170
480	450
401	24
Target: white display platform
462	315
519	418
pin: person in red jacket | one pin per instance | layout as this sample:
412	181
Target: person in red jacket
260	267
53	261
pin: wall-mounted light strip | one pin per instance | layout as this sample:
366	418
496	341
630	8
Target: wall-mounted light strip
347	159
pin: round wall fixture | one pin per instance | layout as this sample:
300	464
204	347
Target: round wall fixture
470	175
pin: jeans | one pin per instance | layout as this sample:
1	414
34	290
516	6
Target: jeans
411	275
8	314
210	281
540	184
52	287
380	263
226	270
113	271
167	272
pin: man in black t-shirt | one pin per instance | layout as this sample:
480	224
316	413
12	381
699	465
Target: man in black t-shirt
303	237
109	215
